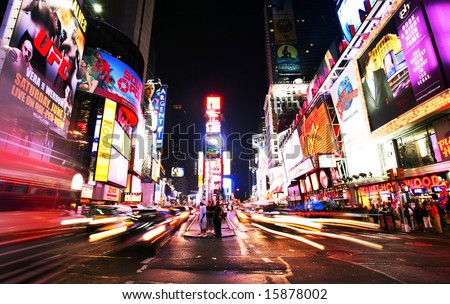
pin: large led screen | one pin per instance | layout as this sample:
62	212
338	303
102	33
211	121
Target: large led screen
385	79
105	75
39	75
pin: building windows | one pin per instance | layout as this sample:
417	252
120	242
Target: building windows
418	148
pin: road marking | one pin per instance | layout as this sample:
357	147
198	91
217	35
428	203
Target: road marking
267	260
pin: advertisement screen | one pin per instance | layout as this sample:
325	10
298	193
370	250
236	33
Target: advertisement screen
438	12
213	103
351	15
421	60
315	133
385	79
38	79
118	170
288	60
348	101
177	172
105	141
105	75
294	192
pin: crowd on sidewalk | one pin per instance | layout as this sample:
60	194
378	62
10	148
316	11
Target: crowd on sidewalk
426	216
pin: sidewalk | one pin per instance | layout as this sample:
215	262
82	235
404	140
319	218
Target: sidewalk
193	229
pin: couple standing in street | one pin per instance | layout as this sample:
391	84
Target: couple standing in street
210	217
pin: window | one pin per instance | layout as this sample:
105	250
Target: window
416	149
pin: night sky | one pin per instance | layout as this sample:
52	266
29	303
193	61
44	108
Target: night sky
214	47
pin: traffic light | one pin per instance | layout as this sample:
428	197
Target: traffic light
390	174
400	173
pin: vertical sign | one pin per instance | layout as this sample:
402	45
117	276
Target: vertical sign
421	60
161	95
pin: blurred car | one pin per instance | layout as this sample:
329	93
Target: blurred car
108	216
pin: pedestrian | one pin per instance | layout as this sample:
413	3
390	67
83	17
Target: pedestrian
218	220
436	217
426	217
202	219
409	216
417	213
210	217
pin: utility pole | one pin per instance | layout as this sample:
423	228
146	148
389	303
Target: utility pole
397	178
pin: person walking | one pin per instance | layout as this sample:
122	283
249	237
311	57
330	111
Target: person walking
218	220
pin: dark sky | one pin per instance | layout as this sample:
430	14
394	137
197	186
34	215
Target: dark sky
214	47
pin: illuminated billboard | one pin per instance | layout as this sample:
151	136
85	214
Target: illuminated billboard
385	79
213	103
348	101
421	59
315	132
288	60
113	148
177	172
38	79
105	75
105	141
438	12
291	153
160	99
351	14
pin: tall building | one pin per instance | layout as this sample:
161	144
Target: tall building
297	36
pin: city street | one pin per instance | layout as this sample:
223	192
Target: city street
246	254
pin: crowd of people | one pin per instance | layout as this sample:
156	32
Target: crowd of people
425	216
210	218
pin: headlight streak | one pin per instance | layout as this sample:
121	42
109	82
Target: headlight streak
306	223
307	227
154	233
75	221
336	236
345	223
294	237
105	234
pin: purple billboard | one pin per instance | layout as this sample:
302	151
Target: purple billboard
438	12
421	60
